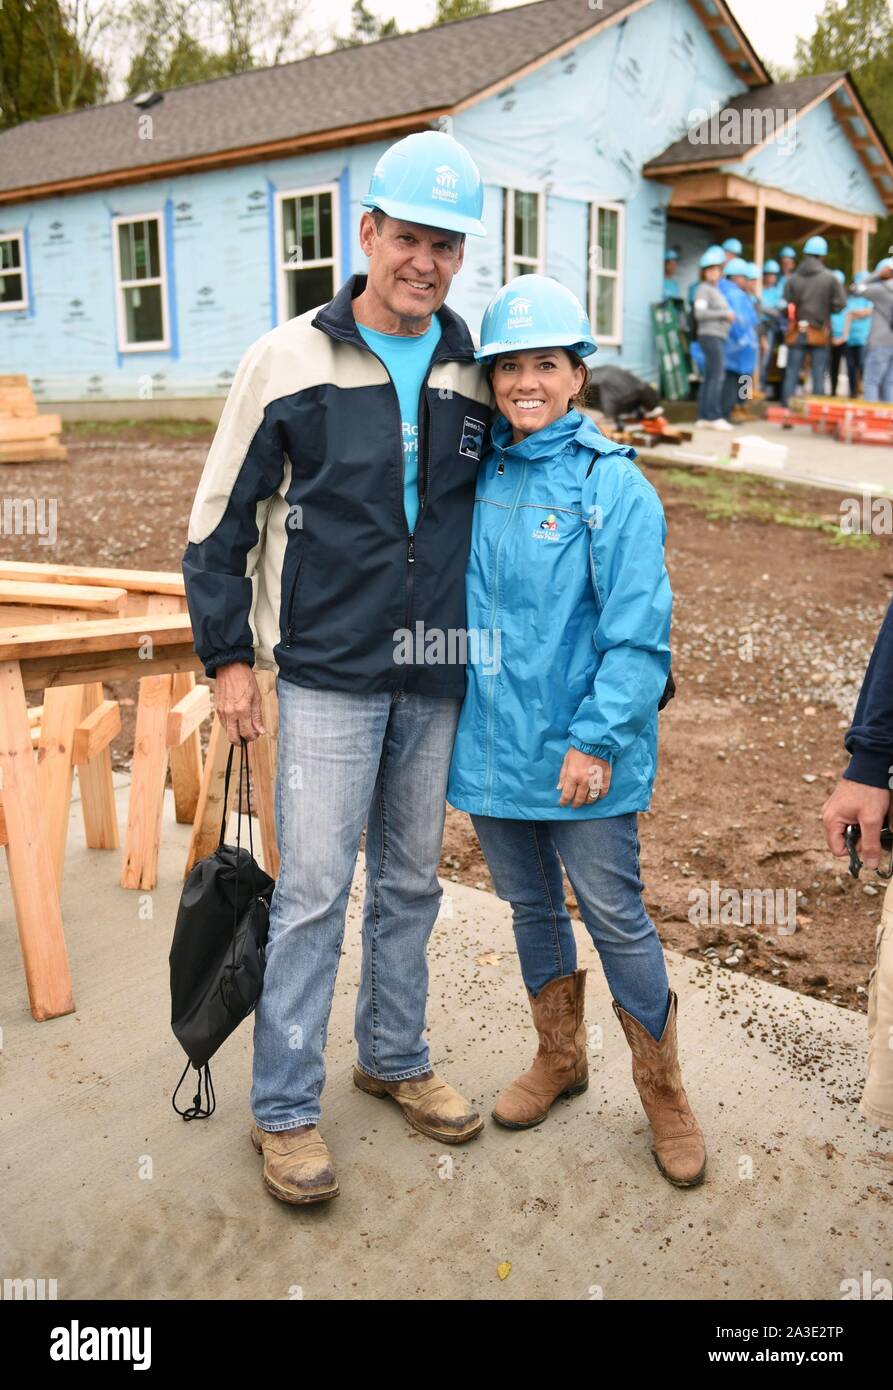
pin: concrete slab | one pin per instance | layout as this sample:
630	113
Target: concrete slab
814	459
107	1191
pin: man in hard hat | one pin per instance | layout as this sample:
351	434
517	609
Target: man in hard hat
733	248
332	518
878	288
770	302
787	260
813	295
671	265
742	344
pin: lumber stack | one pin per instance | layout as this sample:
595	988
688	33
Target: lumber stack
25	435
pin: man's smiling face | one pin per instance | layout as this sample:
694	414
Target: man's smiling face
411	267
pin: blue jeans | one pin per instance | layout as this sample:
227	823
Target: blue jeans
602	862
878	383
344	758
709	392
819	361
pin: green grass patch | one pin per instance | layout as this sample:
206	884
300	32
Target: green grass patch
733	497
169	428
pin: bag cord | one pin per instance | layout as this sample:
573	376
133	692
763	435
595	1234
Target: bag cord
196	1111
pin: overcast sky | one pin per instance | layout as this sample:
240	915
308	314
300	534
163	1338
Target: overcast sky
771	25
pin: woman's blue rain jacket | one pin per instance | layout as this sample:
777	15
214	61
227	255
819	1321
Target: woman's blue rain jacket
569	609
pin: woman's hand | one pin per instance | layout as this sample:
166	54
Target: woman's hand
580	775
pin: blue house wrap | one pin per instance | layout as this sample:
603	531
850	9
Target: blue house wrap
143	248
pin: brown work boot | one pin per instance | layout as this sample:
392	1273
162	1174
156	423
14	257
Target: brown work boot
560	1067
430	1105
679	1150
297	1164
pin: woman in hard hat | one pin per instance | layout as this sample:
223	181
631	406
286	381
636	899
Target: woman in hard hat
712	320
556	747
771	325
858	328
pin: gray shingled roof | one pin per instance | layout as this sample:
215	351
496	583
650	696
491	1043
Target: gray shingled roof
433	69
776	96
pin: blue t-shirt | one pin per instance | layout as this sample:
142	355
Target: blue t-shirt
859	328
837	322
671	289
407	360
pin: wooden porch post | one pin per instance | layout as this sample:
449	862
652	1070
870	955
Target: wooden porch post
759	232
860	248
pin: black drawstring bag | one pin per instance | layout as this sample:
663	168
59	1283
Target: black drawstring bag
217	954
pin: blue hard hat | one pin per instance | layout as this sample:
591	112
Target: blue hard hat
714	255
753	270
771	267
839	275
859	276
671	254
431	179
534	311
736	266
885	264
815	246
788	251
732	244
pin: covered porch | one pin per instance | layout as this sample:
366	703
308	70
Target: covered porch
728	205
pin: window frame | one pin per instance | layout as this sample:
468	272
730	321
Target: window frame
281	194
614	339
532	265
160	344
17	305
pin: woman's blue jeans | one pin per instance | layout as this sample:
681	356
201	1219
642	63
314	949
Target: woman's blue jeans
601	856
710	392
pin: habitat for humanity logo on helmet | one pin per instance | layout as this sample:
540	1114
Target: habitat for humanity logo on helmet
519	315
446	184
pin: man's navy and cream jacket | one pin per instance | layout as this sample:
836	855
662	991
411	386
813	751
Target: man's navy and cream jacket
298	554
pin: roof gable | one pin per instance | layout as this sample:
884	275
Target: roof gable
369	92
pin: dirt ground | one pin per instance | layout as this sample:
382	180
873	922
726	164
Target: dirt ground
775	615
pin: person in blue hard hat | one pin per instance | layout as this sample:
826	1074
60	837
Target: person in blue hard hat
671	265
812	294
787	262
878	289
335	506
839	330
771	317
742	344
712	316
732	248
556	749
858	328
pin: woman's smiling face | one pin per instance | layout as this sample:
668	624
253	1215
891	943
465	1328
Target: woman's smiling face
534	387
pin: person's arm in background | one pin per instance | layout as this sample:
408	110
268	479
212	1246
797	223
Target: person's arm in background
862	797
242	472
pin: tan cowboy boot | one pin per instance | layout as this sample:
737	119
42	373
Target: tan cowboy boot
430	1105
679	1150
560	1067
297	1165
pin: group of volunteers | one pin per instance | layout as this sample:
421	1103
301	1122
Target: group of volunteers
440	488
739	317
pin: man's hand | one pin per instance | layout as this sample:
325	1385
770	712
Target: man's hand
237	702
581	775
855	803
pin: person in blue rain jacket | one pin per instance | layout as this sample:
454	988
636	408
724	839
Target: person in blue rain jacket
556	747
742	342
